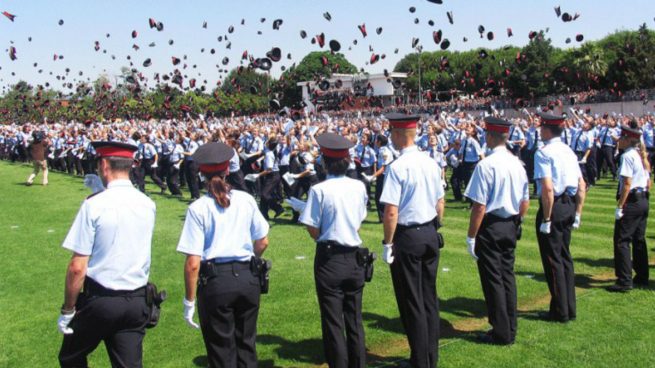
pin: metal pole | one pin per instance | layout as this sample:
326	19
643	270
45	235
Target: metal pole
420	94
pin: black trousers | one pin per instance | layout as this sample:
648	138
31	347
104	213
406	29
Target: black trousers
366	171
146	166
631	228
237	181
191	178
352	173
379	186
592	165
456	180
651	157
606	156
414	276
339	286
583	168
495	245
269	199
556	258
173	179
228	306
119	321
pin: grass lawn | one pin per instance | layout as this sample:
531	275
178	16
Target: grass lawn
611	330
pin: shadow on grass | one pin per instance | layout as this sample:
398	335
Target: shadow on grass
305	351
583	281
603	262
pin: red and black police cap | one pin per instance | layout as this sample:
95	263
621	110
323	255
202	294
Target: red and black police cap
213	157
334	146
114	149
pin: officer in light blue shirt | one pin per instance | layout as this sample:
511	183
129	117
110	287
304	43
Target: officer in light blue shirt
562	191
501	197
111	242
516	139
222	237
414	200
333	214
631	215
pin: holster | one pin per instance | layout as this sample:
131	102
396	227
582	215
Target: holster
519	228
437	226
261	267
153	301
365	259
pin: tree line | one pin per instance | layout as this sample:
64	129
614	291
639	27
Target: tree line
622	61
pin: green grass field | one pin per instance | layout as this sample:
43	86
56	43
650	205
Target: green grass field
611	330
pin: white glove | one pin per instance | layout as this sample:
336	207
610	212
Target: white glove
368	178
295	176
189	310
444	184
582	162
63	321
618	214
387	255
470	242
177	166
545	227
93	182
154	166
576	223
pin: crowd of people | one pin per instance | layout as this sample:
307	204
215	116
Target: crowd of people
250	165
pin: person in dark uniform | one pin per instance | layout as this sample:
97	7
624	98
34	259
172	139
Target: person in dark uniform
500	194
333	215
631	212
270	177
111	244
414	205
561	189
236	178
191	167
223	233
609	135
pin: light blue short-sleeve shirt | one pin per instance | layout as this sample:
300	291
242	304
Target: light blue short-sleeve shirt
556	160
500	183
413	184
337	208
222	234
114	228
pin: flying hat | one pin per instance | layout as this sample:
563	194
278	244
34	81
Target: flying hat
497	125
213	157
402	121
334	146
626	131
114	149
550	119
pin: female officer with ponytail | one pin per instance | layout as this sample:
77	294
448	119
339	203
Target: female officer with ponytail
631	212
223	233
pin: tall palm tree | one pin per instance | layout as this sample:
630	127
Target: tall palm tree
590	59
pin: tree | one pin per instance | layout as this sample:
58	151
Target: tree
314	66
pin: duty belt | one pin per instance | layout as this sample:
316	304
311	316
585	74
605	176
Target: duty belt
93	288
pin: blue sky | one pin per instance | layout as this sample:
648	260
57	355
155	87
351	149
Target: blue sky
88	21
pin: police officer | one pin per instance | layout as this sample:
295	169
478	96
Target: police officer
562	191
149	163
333	215
110	240
218	235
631	212
190	166
501	197
608	136
414	201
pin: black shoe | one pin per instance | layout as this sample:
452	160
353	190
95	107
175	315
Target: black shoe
278	213
163	191
546	316
488	338
640	283
619	288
